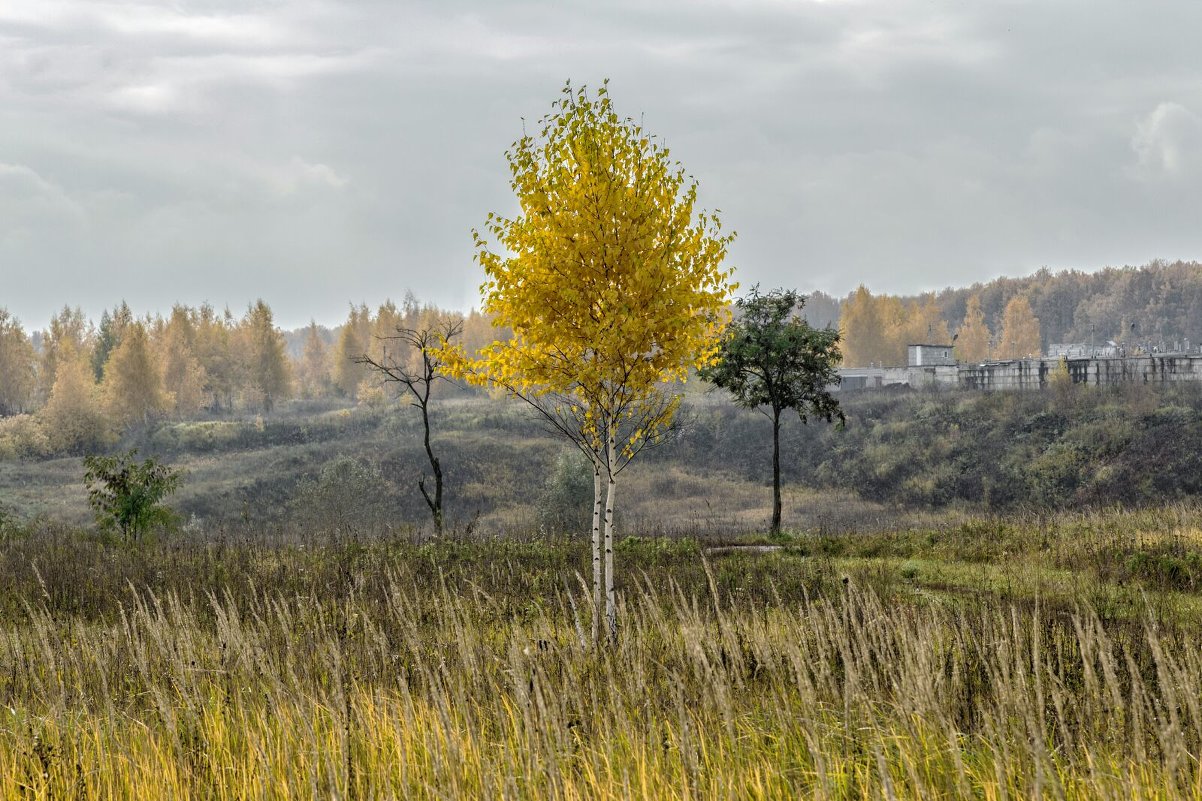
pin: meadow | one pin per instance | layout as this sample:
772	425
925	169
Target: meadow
905	458
994	658
303	633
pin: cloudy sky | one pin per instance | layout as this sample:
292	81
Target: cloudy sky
322	152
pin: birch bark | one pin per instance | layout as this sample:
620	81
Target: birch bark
611	607
596	551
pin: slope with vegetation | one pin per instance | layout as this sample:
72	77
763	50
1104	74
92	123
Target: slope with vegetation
901	455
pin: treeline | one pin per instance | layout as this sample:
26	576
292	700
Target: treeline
1156	305
79	385
877	329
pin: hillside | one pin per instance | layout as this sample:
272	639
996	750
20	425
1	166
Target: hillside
901	450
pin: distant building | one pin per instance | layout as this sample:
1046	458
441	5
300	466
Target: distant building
1101	365
930	356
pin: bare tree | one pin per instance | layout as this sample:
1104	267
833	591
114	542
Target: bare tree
416	365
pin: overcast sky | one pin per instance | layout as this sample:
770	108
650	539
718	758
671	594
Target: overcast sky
322	152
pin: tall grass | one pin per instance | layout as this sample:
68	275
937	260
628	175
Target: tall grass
457	671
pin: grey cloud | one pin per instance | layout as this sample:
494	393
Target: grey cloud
1168	143
316	152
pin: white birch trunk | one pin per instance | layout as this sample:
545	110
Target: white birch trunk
611	607
596	551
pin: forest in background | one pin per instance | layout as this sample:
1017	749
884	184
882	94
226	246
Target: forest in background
1154	305
80	385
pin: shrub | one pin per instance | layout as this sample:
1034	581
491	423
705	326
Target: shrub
22	437
349	495
126	494
566	502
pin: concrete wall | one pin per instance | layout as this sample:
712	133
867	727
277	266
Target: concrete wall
945	375
1026	374
1076	351
872	377
1034	373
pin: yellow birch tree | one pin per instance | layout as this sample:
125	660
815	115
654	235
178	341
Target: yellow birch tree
215	352
894	317
183	374
611	282
315	364
265	358
18	361
353	341
972	340
133	379
73	417
862	330
1020	330
69	331
923	323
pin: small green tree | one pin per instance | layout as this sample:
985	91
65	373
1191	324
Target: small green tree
771	359
126	494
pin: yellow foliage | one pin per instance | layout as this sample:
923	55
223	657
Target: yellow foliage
923	324
183	373
862	330
972	343
609	278
133	380
876	330
371	393
73	417
1020	331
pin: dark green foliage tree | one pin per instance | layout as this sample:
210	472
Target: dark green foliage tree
108	337
771	359
126	494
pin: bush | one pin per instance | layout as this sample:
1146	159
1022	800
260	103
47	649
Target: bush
348	496
566	502
126	494
22	437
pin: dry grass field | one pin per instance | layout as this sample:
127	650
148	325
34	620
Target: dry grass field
991	659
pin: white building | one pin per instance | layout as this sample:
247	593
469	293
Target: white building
930	356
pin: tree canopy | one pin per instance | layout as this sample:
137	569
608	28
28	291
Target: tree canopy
771	357
972	340
1020	330
18	374
614	284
